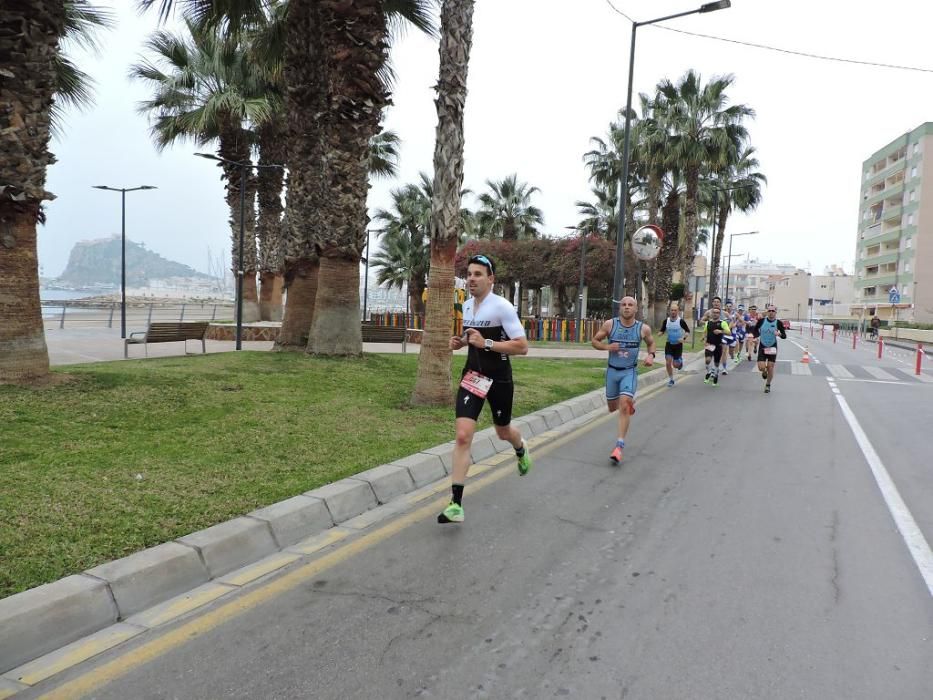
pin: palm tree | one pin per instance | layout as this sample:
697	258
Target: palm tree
448	218
383	154
406	240
336	90
601	215
35	72
506	211
211	91
737	188
702	133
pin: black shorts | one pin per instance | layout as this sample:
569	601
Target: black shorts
500	401
766	358
673	351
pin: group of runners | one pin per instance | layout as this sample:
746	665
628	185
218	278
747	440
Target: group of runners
492	332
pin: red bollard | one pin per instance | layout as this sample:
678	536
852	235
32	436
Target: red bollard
919	358
834	336
822	332
880	346
854	339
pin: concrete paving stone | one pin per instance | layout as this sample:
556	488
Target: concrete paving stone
481	448
445	452
346	498
151	576
387	481
376	515
536	422
180	605
579	407
566	415
232	544
42	619
294	519
551	417
423	468
10	688
75	653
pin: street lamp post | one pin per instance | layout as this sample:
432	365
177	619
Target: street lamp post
618	283
366	278
243	166
123	191
729	261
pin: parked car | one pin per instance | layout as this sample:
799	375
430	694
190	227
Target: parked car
786	323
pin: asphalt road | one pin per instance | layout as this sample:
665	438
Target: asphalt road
742	550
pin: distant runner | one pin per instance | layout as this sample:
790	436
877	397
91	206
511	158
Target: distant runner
768	330
676	328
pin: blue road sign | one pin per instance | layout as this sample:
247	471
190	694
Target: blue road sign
894	297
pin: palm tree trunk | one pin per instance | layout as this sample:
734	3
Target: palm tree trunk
433	384
667	258
270	296
24	356
29	36
716	260
335	329
234	146
356	49
273	150
692	182
301	278
306	105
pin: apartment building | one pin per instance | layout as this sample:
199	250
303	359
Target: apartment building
749	282
805	297
894	250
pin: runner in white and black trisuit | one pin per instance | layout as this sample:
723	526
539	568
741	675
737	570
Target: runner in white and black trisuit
768	329
493	331
713	332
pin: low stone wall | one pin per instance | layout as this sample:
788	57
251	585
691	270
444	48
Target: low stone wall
227	331
907	334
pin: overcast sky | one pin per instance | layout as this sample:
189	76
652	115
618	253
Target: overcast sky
545	76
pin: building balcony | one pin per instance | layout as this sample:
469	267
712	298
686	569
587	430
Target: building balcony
878	259
876	280
878	236
892	213
885	173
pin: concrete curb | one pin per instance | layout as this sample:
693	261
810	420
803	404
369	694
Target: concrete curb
107	604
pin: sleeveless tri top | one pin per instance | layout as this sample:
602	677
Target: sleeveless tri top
629	340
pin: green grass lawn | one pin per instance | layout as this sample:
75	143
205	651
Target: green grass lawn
126	455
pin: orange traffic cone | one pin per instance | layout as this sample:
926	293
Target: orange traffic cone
806	356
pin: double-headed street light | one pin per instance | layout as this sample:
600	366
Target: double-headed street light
729	263
243	166
618	283
123	191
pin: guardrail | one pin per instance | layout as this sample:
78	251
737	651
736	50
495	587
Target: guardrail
83	314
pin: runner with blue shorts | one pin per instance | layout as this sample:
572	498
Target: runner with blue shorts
621	338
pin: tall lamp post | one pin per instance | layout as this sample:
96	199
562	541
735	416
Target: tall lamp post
366	278
582	280
243	166
123	191
729	261
618	283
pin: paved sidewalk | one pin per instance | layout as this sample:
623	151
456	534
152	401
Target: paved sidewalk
80	345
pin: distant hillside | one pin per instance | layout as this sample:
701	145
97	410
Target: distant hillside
98	263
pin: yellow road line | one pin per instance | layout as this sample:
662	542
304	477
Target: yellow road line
202	624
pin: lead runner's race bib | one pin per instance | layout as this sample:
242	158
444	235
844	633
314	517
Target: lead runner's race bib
771	351
476	383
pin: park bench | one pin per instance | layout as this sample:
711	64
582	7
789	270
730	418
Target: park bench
168	332
382	334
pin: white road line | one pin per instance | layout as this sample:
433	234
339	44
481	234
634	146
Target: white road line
918	547
875	381
839	371
878	373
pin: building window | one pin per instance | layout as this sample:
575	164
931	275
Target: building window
913	195
913	171
906	267
910	219
907	245
916	148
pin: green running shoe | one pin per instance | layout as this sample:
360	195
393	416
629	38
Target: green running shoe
453	513
524	462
